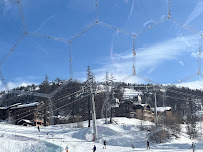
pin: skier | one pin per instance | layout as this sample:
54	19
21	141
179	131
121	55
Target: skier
148	147
94	148
66	148
104	147
132	144
38	128
193	147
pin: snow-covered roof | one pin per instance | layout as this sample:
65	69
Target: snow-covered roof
162	109
26	105
200	113
3	108
25	120
130	93
15	105
139	104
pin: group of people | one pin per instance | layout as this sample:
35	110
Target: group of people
104	147
193	147
148	146
94	148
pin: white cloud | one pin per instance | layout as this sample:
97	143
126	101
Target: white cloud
12	85
195	13
8	5
181	63
148	59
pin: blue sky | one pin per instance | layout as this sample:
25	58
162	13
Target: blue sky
165	53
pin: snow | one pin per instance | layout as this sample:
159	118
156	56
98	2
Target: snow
26	105
119	137
162	109
130	93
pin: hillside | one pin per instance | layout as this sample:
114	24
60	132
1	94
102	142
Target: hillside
119	136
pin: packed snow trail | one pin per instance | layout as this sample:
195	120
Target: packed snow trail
119	136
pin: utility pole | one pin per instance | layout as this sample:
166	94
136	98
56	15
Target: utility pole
155	108
111	115
93	115
89	114
107	98
51	119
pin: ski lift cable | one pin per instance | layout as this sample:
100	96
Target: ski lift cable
169	9
96	5
60	100
56	108
112	27
49	37
146	79
12	49
183	93
3	81
176	97
134	58
186	79
22	16
184	26
151	26
61	87
76	36
70	60
107	97
200	55
45	114
5	84
88	95
32	93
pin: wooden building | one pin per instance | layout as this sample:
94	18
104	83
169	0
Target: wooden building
28	114
134	110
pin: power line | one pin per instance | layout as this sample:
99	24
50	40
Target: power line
46	107
61	99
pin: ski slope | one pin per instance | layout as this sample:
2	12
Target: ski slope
119	137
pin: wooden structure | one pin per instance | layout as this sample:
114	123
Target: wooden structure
25	114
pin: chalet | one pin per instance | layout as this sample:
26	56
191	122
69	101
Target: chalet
124	110
144	112
30	114
164	112
134	110
5	113
24	114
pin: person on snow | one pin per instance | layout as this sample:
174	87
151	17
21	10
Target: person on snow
148	147
104	147
66	148
132	144
193	147
38	128
94	148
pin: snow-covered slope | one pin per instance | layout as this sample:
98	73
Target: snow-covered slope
119	136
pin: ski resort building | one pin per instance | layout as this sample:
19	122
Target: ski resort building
131	110
24	114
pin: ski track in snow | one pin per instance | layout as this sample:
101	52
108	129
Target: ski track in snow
118	136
